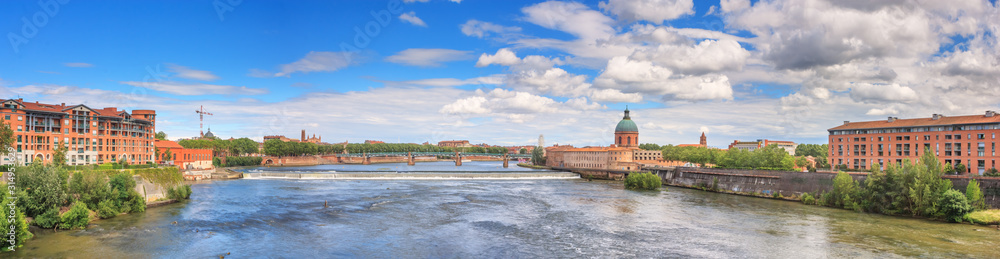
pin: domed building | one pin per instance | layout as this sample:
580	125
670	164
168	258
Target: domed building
623	155
627	133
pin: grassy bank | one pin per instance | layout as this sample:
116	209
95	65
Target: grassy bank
533	166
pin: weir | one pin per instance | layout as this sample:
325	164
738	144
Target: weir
393	175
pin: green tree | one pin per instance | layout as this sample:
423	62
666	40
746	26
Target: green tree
649	146
161	135
14	222
40	188
59	155
961	169
801	161
522	151
537	156
6	137
975	195
845	191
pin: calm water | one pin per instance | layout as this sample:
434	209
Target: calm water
501	218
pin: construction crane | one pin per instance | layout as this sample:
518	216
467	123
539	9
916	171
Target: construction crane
201	120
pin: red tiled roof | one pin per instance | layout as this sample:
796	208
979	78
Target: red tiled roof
690	145
920	122
167	144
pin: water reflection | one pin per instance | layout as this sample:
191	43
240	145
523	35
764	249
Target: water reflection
509	218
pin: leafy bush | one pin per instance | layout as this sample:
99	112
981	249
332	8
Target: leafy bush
77	217
15	222
954	206
975	195
179	192
107	209
135	203
992	172
42	188
90	187
642	181
49	219
808	199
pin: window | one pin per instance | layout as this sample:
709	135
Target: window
879	138
20	118
947	136
18	127
958	136
927	137
6	117
981	136
982	149
906	137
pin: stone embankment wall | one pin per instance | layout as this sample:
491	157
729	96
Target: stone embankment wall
150	190
791	183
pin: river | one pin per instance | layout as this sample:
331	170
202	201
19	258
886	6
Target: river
497	218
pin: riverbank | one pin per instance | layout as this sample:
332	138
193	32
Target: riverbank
807	187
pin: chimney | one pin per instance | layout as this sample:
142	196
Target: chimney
937	116
303	135
63	104
892	119
847	122
990	114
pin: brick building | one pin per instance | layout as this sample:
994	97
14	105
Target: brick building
454	143
788	146
185	158
92	136
623	155
969	140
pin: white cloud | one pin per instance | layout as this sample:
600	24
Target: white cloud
573	18
705	57
865	92
428	57
315	61
482	29
78	64
503	56
615	96
634	76
656	11
181	88
411	17
450	82
188	73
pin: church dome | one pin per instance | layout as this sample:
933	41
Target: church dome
209	134
626	125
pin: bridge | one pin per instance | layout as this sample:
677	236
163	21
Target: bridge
457	156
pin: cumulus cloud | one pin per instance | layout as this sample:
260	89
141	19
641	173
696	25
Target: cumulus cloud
636	76
411	17
428	57
189	73
656	11
571	17
503	56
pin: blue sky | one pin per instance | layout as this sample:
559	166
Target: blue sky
504	72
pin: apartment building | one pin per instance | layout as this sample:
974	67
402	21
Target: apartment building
970	140
91	135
